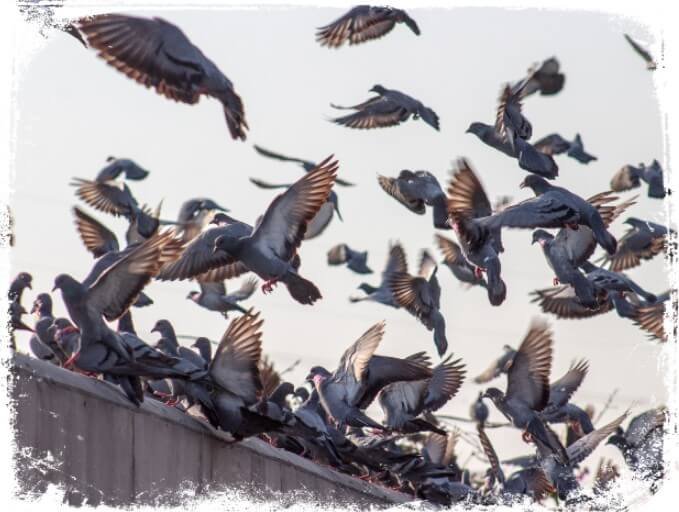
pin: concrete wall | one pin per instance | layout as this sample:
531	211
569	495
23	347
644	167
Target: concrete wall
84	435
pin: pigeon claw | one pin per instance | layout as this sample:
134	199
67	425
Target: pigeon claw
555	281
70	362
268	286
478	272
527	437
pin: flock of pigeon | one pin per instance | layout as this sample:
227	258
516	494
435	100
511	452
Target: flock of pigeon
236	388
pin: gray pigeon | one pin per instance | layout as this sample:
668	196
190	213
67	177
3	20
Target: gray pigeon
355	260
118	166
22	281
528	389
561	390
643	241
417	190
478	411
555	144
546	78
307	165
420	295
453	258
270	249
650	63
360	376
213	296
363	23
396	262
553	207
388	108
629	177
402	402
156	53
614	281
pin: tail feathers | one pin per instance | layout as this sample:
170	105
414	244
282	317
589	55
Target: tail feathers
584	290
302	290
234	114
356	418
440	334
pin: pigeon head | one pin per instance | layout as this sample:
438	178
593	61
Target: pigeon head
228	244
42	305
302	393
494	394
367	288
536	183
221	219
378	89
164	328
204	346
209	204
542	237
194	295
317	372
477	129
24	280
635	222
66	284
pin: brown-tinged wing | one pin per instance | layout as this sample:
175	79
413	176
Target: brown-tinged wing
562	302
98	239
528	376
391	187
465	192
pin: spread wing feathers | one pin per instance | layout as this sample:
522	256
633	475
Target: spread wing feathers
652	320
412	294
356	27
627	178
465	192
396	261
245	291
491	454
427	265
234	366
642	425
553	144
152	52
561	390
509	117
268	375
110	197
650	63
338	254
627	257
356	358
444	384
223	272
541	210
284	224
440	449
583	447
98	239
391	187
376	114
562	302
117	287
528	375
451	251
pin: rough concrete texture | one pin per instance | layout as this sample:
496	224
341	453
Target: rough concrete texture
83	435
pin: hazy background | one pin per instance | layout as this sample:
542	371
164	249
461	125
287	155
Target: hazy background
74	111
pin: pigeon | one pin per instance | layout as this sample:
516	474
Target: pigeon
194	215
321	220
478	411
307	165
156	53
546	78
643	241
22	281
117	166
417	190
41	343
269	250
396	263
510	123
528	389
402	402
562	302
650	63
388	108
468	207
363	23
498	367
355	260
213	296
651	318
420	296
453	258
641	444
554	207
555	144
614	281
629	177
361	374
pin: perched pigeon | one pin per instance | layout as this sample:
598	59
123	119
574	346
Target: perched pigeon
546	78
355	260
642	241
501	365
118	166
363	23
402	402
321	220
555	144
213	296
453	258
528	389
554	207
650	63
360	376
396	263
156	53
270	249
415	191
388	108
468	207
22	281
420	296
307	165
629	177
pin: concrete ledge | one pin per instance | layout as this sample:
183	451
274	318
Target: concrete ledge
84	435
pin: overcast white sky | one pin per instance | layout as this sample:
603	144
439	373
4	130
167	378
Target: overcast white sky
74	111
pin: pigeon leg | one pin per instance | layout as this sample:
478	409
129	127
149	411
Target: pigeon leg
555	281
71	360
268	286
478	272
527	437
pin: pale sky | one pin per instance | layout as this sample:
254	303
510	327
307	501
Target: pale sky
74	111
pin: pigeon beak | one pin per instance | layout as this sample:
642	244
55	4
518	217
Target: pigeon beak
29	286
55	288
522	184
36	306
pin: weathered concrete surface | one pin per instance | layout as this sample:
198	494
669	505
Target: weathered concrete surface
84	435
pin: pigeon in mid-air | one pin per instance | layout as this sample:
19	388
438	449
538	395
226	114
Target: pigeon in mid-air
499	366
417	190
388	108
454	259
194	215
363	23
629	177
643	241
651	317
546	78
614	281
213	296
355	260
644	53
555	144
396	263
156	53
117	166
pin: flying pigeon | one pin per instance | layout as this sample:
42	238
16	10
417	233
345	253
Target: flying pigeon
555	144
213	296
643	241
547	79
453	258
629	177
117	166
355	260
650	63
396	263
417	190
